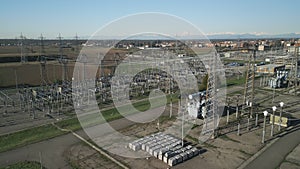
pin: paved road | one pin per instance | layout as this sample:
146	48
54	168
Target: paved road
51	151
273	156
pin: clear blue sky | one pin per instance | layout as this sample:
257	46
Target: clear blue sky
68	17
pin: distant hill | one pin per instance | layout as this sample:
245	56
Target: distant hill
253	36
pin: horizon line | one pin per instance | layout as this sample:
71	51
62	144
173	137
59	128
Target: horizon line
217	35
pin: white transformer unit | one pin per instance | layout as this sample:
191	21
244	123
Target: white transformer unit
193	108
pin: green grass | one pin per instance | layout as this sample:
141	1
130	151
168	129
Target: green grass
71	124
24	165
28	136
142	106
94	119
111	114
36	134
232	82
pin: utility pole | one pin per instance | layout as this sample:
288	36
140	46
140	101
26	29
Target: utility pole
280	117
264	128
273	119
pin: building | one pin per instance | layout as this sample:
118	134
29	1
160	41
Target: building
292	49
270	68
263	47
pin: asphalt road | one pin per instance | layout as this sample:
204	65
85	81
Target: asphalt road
272	157
50	152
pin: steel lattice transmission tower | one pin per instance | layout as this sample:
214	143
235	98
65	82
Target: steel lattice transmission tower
294	68
77	43
249	84
22	44
43	61
63	60
212	116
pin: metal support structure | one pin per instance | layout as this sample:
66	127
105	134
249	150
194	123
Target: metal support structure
43	60
237	110
256	119
296	67
63	61
273	95
211	94
293	78
264	128
273	121
22	44
171	99
280	116
250	77
77	43
182	125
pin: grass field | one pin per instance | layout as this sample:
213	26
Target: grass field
22	138
235	81
110	114
36	134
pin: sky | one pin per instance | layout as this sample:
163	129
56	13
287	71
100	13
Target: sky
84	17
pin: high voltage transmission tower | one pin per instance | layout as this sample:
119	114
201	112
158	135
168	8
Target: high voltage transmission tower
250	77
43	60
294	68
62	60
76	44
22	44
211	96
